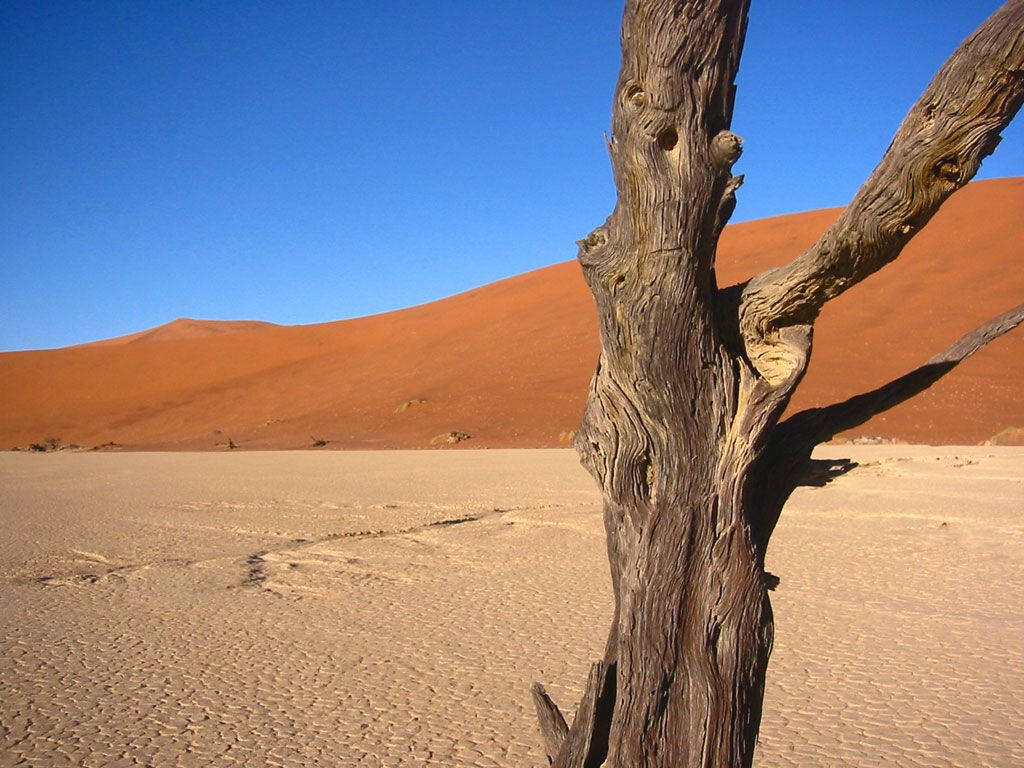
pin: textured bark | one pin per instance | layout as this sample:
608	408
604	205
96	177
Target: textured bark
553	728
681	423
938	148
586	743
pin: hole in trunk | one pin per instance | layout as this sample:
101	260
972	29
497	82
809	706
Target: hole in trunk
668	139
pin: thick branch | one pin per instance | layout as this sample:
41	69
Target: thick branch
649	265
938	148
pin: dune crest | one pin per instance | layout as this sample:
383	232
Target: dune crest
184	328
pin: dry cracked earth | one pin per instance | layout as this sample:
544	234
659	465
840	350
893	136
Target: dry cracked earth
392	608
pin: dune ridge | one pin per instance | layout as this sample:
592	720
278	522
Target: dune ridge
184	328
507	364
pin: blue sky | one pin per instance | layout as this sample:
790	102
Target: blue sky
306	162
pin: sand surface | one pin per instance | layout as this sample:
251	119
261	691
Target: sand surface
392	608
508	363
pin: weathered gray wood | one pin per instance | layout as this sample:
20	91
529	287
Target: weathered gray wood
693	626
553	728
586	743
680	427
938	148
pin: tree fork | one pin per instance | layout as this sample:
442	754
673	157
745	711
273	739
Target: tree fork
680	427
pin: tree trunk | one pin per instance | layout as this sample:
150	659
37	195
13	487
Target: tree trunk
680	426
693	624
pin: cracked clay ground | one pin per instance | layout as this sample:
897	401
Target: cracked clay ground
392	608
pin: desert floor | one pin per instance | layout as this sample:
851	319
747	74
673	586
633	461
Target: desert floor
392	608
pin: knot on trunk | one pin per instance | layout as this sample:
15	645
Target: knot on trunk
780	356
592	246
726	148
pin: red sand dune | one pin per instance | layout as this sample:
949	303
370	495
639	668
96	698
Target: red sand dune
509	363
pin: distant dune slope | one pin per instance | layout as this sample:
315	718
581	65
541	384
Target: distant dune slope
508	363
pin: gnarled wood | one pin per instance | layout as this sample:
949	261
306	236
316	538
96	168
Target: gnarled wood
553	728
704	620
681	427
938	148
586	743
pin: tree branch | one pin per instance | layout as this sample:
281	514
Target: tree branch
586	743
650	264
553	728
787	462
820	424
938	149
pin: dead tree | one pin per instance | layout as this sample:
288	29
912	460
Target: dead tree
682	427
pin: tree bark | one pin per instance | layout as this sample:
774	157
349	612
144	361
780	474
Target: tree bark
681	423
